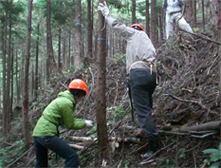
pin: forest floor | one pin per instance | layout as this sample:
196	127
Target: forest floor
187	95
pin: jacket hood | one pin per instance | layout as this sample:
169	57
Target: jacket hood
67	94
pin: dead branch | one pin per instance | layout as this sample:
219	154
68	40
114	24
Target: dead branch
205	38
213	125
147	160
76	146
187	101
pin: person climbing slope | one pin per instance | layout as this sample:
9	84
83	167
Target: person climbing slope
141	71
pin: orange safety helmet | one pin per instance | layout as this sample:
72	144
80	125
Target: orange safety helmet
135	26
79	85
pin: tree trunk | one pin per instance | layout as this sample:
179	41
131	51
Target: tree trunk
203	16
214	18
26	81
89	30
9	66
100	93
36	64
5	112
64	52
78	39
133	12
17	77
51	64
219	38
194	13
189	12
147	18
154	36
59	49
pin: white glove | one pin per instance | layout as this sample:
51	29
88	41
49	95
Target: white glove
104	9
89	123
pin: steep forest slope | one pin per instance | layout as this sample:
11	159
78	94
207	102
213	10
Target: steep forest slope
187	95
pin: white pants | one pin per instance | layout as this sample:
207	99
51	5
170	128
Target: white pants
171	19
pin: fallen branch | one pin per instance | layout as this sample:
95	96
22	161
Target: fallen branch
205	38
188	101
213	125
30	149
148	159
76	146
118	139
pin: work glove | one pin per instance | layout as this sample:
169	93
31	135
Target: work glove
89	123
104	9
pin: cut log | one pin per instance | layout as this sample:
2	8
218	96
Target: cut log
213	125
76	146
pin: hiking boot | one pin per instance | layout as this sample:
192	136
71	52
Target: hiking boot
153	148
147	154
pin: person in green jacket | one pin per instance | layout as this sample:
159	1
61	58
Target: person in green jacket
60	112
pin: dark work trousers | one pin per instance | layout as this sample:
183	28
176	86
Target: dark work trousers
57	145
142	85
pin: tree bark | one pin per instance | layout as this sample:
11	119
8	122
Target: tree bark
26	81
203	16
147	18
59	49
89	30
51	64
214	125
133	12
219	48
36	64
214	18
5	112
78	36
188	10
100	92
154	36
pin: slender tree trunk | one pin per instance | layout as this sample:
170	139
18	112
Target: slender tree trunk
189	12
147	18
219	39
100	94
9	66
36	64
69	49
18	98
214	18
194	13
5	112
51	64
64	52
133	12
59	49
78	37
160	22
89	30
203	16
26	81
154	23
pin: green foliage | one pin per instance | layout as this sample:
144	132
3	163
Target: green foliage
215	156
126	162
121	57
196	29
169	164
11	152
116	112
92	132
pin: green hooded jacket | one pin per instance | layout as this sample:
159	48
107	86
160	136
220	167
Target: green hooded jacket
59	112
